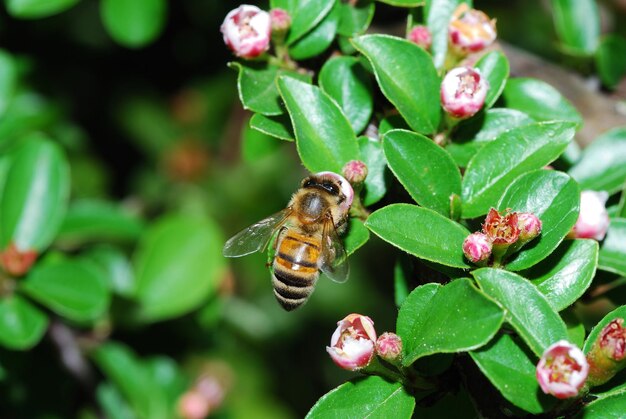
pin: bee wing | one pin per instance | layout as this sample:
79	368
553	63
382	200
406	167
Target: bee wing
334	258
256	237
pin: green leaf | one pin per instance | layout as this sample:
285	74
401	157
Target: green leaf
36	9
115	267
552	196
527	310
437	16
178	264
318	39
132	378
345	80
602	166
356	237
21	324
257	87
369	397
443	319
392	122
410	228
577	23
274	126
472	134
407	77
324	137
401	272
611	60
133	24
512	154
74	289
354	19
373	156
494	67
619	312
8	79
425	170
256	145
513	372
613	250
34	199
610	407
403	3
564	276
539	100
306	15
112	402
95	220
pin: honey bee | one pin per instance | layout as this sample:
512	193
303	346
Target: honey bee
305	238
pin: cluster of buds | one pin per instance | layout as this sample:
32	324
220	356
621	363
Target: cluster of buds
501	234
354	345
420	35
463	92
562	370
470	30
593	218
607	356
247	30
17	262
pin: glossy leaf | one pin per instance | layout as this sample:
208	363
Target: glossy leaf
410	228
552	196
34	198
619	312
445	319
425	170
406	76
74	289
610	407
178	264
356	236
577	24
368	397
506	363
318	39
403	3
8	79
345	80
437	16
274	126
305	15
324	137
539	100
94	220
21	324
512	154
613	249
602	166
392	122
256	145
471	135
257	87
354	19
115	267
36	9
565	275
611	60
372	155
133	24
527	310
494	67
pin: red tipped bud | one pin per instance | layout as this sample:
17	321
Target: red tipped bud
17	262
246	31
355	171
529	226
562	370
463	92
420	35
281	21
608	353
593	219
477	247
352	344
389	347
470	30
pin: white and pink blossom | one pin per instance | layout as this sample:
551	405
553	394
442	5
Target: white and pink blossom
352	345
593	218
470	30
247	31
562	370
463	92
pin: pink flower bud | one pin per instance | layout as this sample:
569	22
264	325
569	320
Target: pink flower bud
346	188
613	340
607	356
470	30
352	344
562	370
463	92
389	347
529	226
477	247
355	171
502	230
246	31
15	261
193	405
281	21
420	35
593	219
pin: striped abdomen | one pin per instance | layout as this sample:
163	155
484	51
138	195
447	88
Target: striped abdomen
296	269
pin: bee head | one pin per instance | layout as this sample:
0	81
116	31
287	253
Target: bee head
334	184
